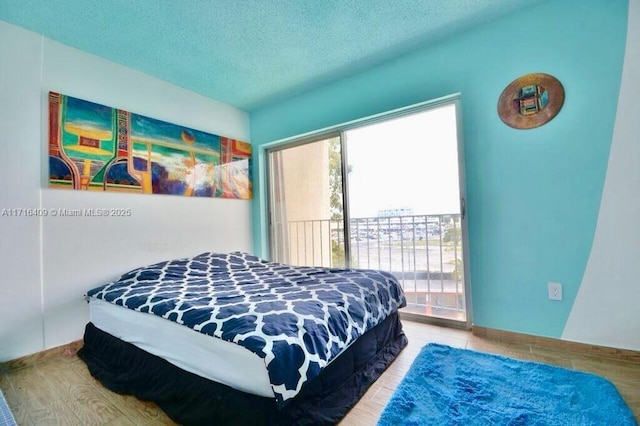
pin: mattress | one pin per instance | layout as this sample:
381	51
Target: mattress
209	357
294	320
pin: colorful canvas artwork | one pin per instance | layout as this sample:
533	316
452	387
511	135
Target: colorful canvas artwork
98	148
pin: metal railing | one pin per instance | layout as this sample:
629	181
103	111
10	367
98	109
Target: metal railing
423	251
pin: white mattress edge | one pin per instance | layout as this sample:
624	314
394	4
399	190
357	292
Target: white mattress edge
209	357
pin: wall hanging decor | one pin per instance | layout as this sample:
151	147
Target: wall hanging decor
531	101
98	148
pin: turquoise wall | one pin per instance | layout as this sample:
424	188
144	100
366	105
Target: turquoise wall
533	195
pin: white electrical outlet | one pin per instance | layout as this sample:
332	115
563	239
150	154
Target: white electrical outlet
554	291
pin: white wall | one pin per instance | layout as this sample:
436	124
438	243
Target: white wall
20	304
47	265
606	310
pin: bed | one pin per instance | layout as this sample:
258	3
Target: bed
230	338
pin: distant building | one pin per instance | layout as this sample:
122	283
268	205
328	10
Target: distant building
402	211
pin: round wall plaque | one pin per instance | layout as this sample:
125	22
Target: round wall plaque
531	101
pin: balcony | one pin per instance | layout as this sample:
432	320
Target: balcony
423	251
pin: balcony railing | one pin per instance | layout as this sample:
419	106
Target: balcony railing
423	251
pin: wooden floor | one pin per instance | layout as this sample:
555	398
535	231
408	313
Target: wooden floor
60	391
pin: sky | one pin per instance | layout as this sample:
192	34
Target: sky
408	162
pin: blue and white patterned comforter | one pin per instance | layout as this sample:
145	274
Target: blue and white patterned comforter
297	319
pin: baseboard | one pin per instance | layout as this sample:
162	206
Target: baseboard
67	350
551	343
425	319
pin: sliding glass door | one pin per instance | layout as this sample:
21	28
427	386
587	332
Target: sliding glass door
385	194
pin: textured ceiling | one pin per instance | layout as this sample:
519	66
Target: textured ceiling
251	52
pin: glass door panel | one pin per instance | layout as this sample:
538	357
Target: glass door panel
306	204
404	207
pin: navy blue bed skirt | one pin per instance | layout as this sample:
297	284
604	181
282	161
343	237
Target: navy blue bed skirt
193	400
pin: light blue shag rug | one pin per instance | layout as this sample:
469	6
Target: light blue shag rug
448	386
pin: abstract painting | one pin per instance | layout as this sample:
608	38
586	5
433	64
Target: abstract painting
98	148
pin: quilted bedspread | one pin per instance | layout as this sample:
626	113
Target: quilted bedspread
297	319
